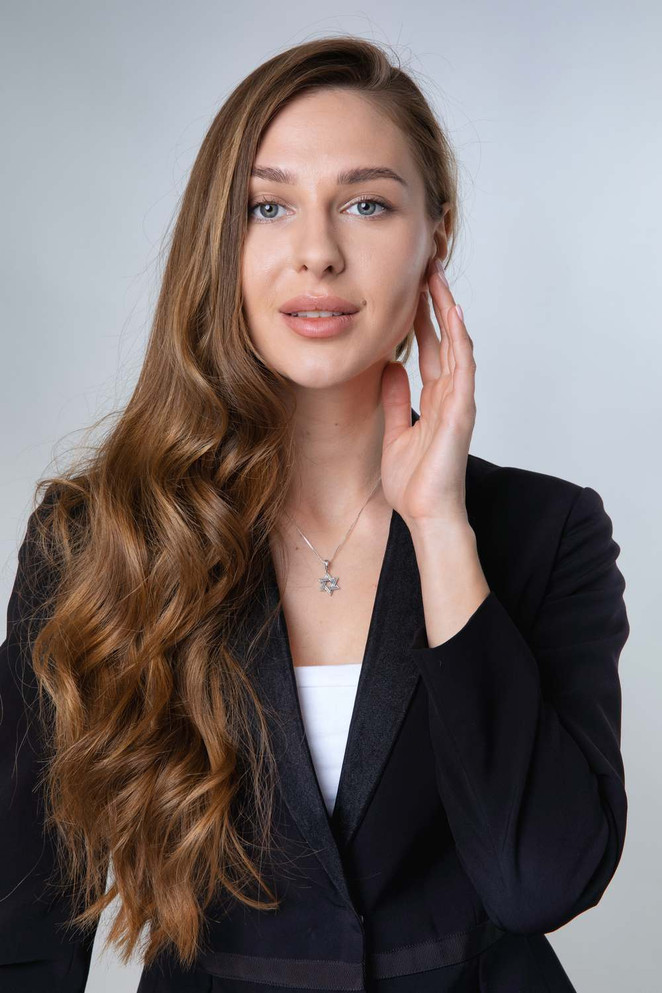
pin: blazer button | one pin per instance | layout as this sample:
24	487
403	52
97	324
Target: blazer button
362	918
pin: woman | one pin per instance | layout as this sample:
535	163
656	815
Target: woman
167	639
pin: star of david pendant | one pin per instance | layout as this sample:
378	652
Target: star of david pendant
328	583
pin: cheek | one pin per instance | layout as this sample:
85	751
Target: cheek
400	276
401	301
255	294
253	278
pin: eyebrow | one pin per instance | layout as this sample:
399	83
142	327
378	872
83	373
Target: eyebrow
361	174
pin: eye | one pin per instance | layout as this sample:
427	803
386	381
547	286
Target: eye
357	203
369	200
263	203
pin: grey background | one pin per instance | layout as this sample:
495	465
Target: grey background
554	112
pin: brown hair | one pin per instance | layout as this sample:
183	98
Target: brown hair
157	541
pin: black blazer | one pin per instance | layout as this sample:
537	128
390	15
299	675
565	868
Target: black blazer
481	801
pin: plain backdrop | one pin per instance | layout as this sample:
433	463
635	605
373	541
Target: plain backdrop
554	111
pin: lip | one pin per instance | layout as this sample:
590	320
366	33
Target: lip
308	302
319	327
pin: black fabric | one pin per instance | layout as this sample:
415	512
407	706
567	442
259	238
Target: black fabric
481	801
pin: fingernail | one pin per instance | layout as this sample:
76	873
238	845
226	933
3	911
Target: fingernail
459	310
439	266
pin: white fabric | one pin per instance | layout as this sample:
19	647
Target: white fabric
326	696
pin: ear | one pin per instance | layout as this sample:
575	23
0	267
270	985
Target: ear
440	237
442	233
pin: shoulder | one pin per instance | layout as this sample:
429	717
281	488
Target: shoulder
513	507
55	519
503	487
538	531
519	479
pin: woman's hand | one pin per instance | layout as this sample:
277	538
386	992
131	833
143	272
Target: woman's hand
424	464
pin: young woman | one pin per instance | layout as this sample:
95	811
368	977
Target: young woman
325	701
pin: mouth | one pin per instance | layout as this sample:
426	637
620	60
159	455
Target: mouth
315	314
321	324
318	307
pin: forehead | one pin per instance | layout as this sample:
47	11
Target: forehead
330	130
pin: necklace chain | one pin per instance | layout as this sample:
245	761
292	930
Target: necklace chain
328	583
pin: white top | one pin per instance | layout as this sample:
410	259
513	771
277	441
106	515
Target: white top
326	697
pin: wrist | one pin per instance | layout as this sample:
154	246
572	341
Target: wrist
452	529
453	583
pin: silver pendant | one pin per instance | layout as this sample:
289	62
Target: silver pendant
328	583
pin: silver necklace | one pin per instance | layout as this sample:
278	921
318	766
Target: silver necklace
328	583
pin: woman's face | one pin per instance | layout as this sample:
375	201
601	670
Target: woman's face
319	237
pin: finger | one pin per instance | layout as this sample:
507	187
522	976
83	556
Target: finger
429	356
443	303
464	361
447	347
441	362
396	400
443	309
440	292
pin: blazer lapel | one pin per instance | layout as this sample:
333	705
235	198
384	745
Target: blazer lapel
386	685
273	678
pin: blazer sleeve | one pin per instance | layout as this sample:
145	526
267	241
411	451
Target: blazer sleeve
526	735
37	953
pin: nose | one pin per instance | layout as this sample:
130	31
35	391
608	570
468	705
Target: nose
316	246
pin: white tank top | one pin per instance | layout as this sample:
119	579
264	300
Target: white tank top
326	696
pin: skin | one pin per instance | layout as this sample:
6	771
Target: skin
353	420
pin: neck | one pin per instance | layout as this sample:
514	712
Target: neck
338	445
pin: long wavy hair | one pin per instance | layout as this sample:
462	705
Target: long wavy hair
149	548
